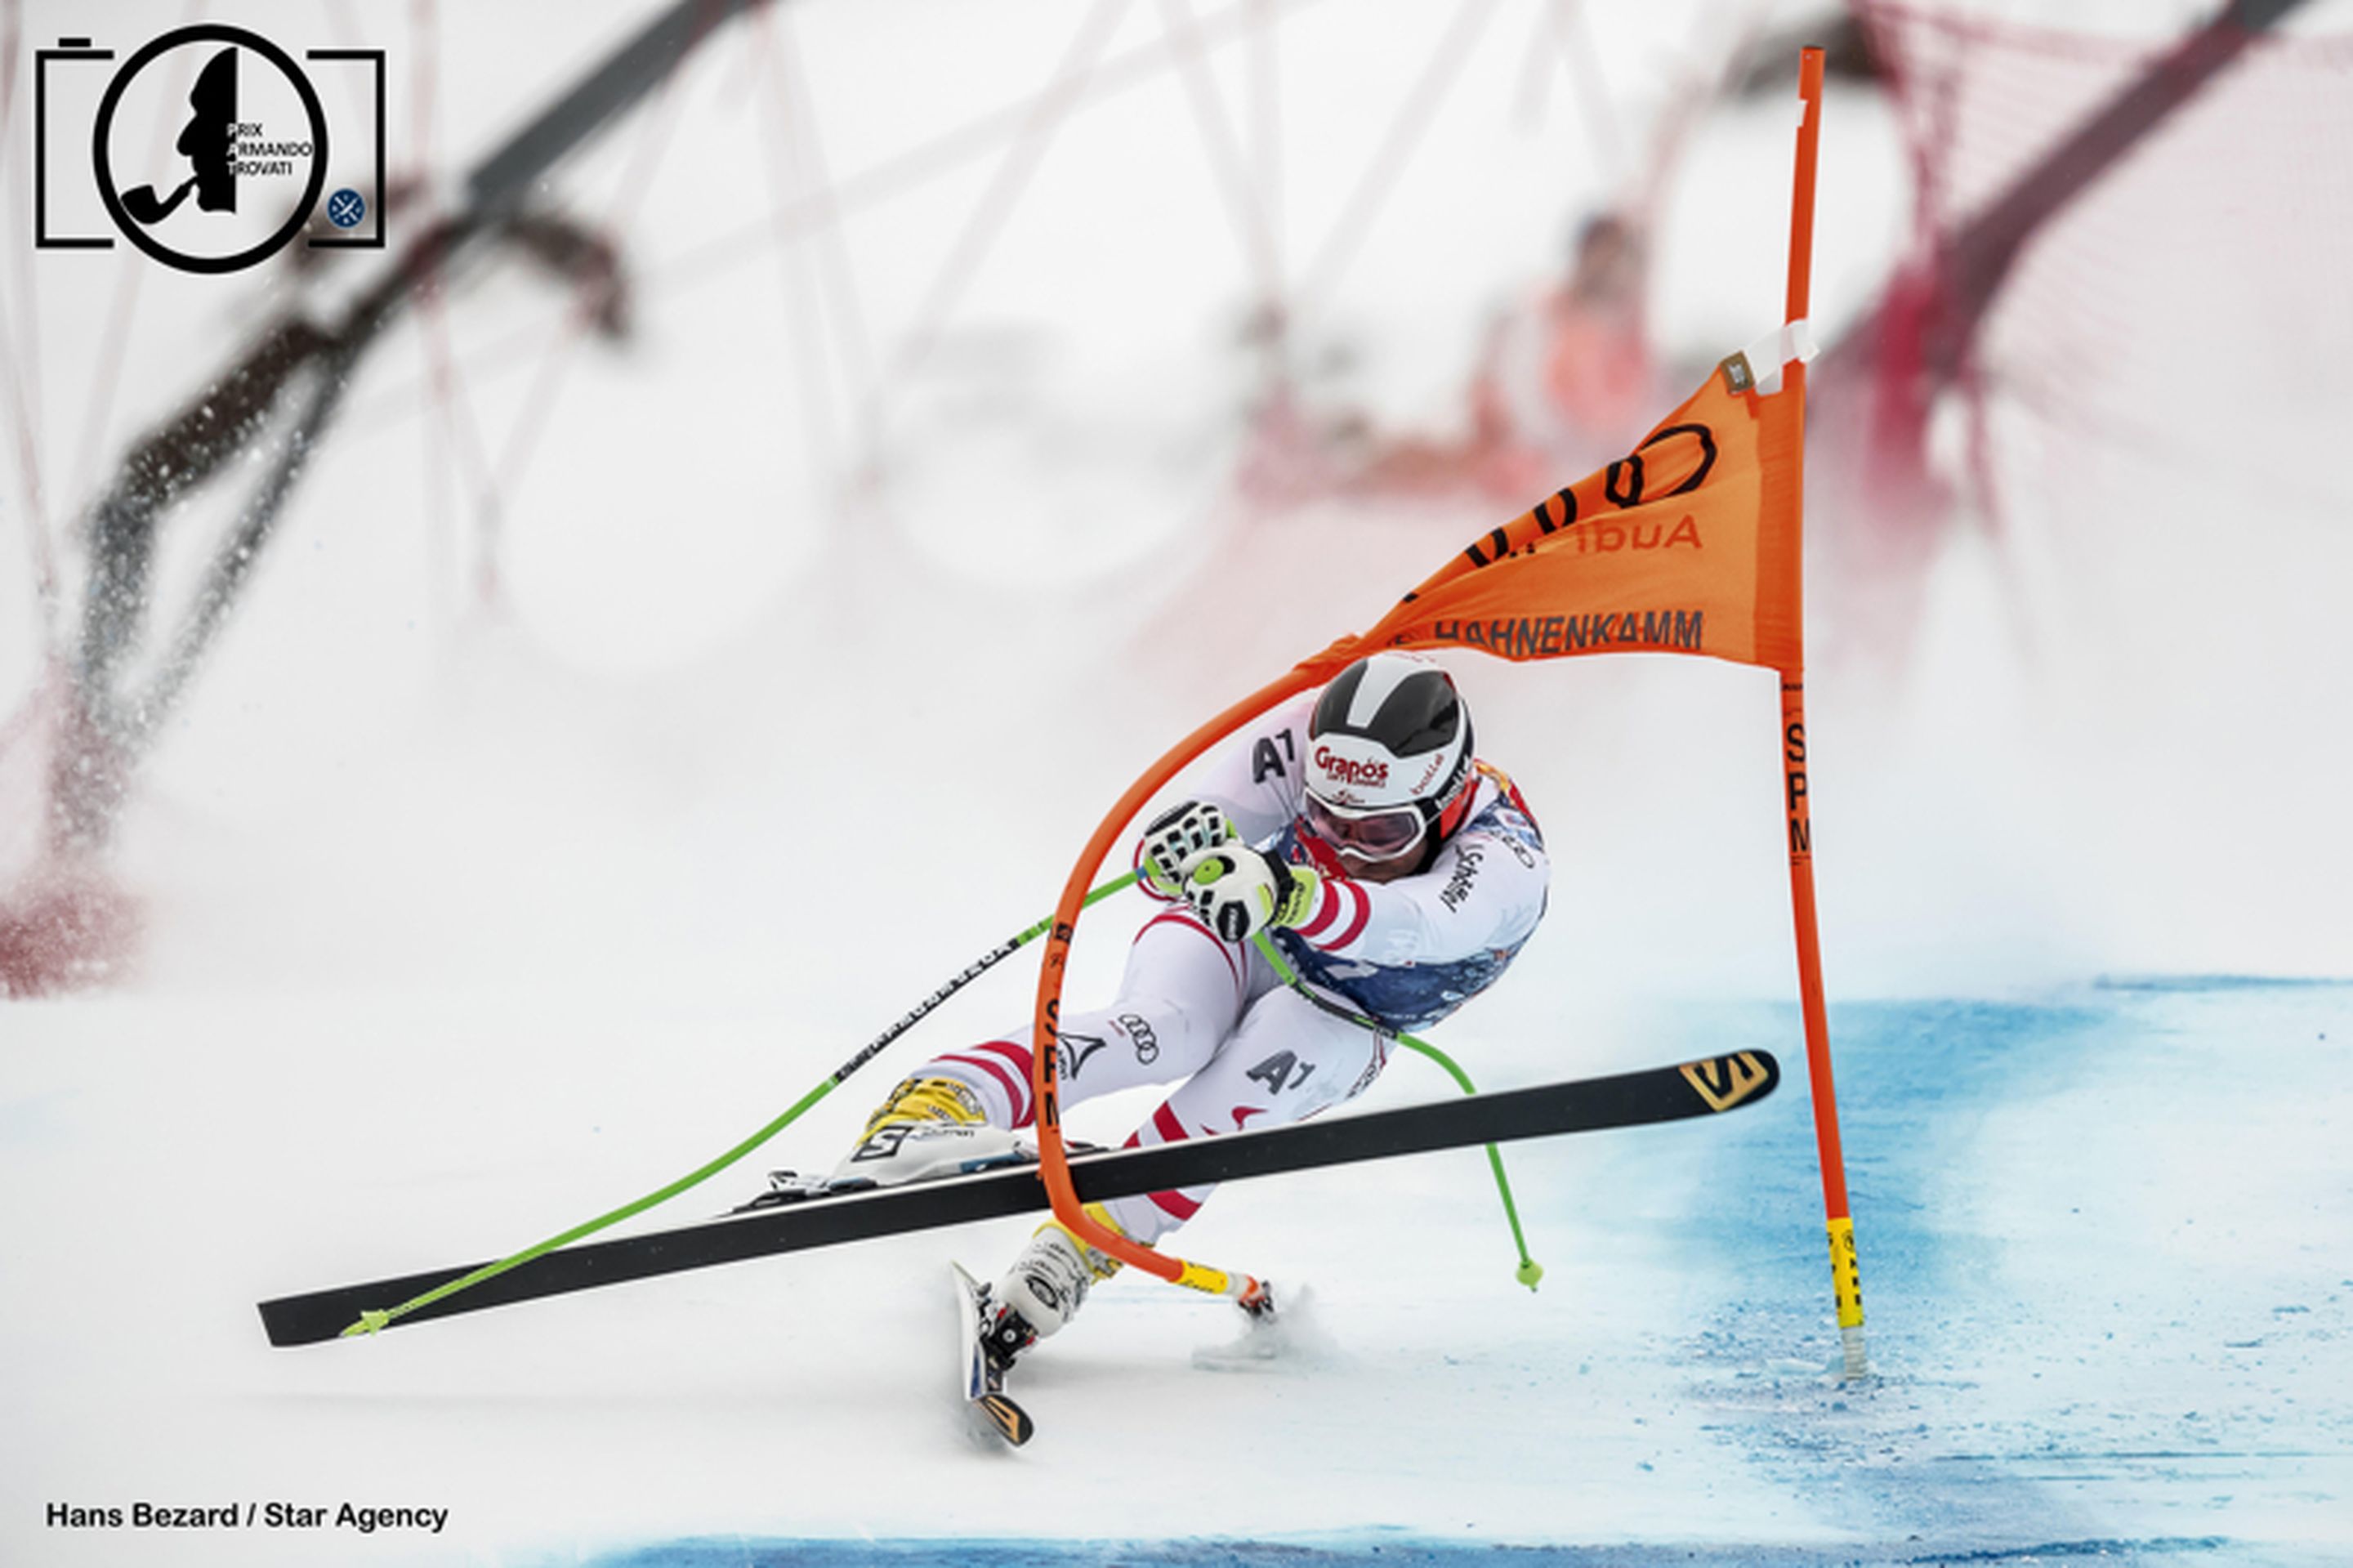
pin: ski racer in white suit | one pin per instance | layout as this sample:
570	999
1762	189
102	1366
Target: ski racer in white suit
1398	875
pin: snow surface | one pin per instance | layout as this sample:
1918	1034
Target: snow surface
466	922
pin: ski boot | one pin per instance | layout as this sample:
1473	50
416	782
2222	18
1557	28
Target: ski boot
927	1128
1049	1282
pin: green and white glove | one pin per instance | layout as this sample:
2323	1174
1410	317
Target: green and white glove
1239	891
1175	836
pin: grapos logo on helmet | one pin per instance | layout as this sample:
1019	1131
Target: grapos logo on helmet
1348	770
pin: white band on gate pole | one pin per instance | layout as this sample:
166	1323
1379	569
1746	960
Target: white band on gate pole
1792	342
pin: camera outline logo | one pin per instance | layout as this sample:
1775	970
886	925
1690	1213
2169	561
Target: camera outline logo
220	152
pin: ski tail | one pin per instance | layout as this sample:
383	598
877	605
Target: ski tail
1012	1423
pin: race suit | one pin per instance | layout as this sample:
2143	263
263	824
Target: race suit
1213	1018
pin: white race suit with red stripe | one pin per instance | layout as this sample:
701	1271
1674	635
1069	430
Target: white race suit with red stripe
1212	1018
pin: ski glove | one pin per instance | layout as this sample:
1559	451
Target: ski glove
1175	836
1238	891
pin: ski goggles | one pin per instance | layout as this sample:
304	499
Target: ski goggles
1373	832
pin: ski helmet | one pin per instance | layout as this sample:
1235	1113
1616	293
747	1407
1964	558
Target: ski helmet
1388	759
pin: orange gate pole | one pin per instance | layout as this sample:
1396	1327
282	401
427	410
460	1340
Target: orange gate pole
1846	1275
1053	1158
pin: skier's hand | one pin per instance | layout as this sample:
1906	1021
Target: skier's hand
1174	837
1238	891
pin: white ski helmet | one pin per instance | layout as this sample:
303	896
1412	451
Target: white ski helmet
1388	759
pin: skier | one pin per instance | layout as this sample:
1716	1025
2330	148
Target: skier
1395	873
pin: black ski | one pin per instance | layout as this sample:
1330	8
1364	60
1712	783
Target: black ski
987	1408
1675	1093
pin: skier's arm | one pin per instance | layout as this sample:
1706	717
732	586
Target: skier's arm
1255	776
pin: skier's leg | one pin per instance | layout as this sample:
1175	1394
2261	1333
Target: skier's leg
1185	992
1181	992
1288	1061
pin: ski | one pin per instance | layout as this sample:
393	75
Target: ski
989	1409
1682	1091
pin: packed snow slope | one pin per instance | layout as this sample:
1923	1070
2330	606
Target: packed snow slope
472	913
2103	1234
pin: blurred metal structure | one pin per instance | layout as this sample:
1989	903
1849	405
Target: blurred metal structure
2017	135
303	367
1973	262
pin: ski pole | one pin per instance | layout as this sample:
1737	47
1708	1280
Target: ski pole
371	1321
1530	1271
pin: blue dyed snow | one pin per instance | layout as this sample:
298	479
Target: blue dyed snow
2170	983
1917	1081
735	1552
